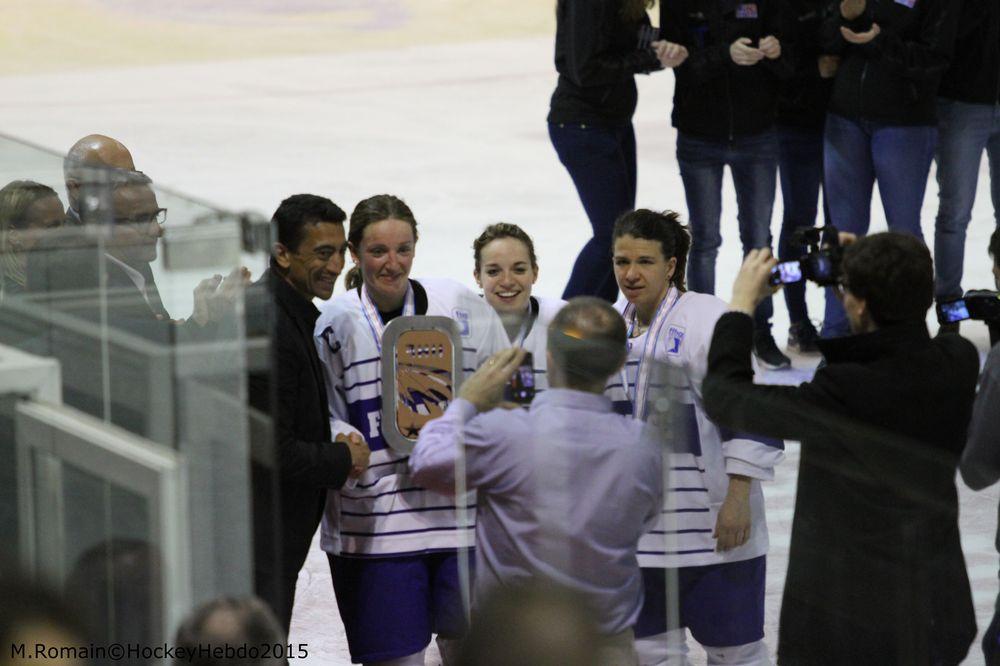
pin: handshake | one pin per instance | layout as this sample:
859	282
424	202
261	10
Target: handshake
360	453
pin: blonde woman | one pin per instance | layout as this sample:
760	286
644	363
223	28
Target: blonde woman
27	209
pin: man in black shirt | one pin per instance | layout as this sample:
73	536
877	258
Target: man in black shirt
290	484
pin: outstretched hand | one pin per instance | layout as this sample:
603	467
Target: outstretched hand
670	54
752	282
484	389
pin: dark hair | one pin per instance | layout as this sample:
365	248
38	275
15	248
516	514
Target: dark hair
297	211
498	231
587	339
371	211
531	622
893	273
994	246
252	623
665	227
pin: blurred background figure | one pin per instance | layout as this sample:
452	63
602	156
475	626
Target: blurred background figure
30	615
535	624
237	623
27	209
968	124
802	108
86	162
600	46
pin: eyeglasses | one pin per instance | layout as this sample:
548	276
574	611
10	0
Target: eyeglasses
159	216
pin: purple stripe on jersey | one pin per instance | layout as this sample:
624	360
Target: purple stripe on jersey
686	510
391	462
393	513
687	490
363	362
472	350
388	492
728	435
690	531
678	469
674	552
454	528
368	383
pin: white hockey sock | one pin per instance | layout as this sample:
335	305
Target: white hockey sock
751	654
666	649
416	659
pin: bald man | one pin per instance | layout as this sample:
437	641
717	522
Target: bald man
92	160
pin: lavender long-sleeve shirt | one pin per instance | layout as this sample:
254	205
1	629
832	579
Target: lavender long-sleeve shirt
565	490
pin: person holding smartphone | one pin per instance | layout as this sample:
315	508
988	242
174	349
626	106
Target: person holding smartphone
725	106
712	532
600	46
506	269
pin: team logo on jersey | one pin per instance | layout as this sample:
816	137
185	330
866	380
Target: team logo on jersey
675	338
461	317
748	10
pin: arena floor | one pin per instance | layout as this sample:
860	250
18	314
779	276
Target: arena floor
440	101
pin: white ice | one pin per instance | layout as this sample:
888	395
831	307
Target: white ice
458	131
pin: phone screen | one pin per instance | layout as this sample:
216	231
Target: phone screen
786	272
521	387
952	311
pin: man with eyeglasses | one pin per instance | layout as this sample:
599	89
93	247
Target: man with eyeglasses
131	246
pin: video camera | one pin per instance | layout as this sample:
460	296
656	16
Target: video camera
820	263
978	304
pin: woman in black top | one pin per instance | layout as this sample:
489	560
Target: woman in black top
600	46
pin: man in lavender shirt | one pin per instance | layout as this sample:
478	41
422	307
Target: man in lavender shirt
566	488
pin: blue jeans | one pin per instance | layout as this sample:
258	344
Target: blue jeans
601	161
753	161
965	131
856	153
800	167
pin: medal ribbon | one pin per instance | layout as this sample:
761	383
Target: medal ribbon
375	320
642	371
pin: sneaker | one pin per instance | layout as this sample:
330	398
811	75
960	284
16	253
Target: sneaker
768	353
802	338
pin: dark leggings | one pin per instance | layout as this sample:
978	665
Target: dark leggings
601	161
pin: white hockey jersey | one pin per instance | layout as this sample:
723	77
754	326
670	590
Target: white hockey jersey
386	513
702	454
536	338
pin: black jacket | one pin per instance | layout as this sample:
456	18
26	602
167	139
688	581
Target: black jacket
290	387
974	75
894	78
805	96
876	573
714	97
598	54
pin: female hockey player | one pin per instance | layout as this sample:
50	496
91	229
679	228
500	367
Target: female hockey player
712	530
506	270
391	544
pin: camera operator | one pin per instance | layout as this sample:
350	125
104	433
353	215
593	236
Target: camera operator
981	460
876	573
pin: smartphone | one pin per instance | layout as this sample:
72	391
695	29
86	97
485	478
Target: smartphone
786	272
950	312
521	387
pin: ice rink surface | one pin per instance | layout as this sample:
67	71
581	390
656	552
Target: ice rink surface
450	118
